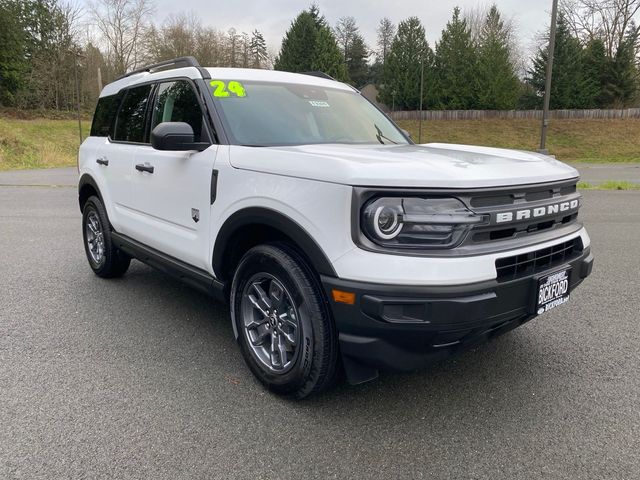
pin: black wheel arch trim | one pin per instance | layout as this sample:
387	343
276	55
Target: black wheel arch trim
273	219
87	179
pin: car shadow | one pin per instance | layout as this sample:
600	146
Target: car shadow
486	380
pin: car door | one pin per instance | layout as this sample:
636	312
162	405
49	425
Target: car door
171	191
115	154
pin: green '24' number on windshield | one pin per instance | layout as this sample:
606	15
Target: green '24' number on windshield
222	89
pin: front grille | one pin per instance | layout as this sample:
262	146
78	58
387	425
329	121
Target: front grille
521	200
532	194
498	233
516	266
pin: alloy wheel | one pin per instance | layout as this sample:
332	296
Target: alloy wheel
95	237
271	322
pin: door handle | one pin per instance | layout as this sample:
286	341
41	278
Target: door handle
144	167
102	161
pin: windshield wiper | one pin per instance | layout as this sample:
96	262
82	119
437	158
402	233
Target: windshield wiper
380	136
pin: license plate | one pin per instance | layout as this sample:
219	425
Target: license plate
553	291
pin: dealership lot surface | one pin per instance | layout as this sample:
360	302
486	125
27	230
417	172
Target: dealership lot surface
140	377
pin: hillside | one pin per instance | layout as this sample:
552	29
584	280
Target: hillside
47	142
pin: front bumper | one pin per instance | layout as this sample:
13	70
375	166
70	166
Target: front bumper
406	327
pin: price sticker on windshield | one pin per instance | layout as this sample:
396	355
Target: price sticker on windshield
319	103
227	89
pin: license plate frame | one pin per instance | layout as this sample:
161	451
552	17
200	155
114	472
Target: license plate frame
552	290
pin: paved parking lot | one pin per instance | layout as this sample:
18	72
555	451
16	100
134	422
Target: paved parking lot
140	377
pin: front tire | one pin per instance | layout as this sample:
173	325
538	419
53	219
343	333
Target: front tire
105	260
285	331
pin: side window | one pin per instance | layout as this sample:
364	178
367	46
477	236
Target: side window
104	116
130	122
177	102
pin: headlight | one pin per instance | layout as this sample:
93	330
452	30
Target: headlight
411	222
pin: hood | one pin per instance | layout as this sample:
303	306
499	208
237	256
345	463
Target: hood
432	165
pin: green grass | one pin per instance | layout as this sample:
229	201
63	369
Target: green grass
609	185
38	143
597	141
29	141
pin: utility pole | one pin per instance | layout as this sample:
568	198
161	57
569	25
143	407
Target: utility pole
75	64
421	95
547	88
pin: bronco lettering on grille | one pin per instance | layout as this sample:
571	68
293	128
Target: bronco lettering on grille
538	212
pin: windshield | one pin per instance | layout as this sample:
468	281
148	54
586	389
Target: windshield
261	114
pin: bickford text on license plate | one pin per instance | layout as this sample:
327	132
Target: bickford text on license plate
553	290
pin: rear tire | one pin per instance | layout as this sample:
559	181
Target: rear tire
285	330
105	260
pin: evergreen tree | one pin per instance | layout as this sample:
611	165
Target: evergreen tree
375	72
298	44
622	84
570	88
13	62
357	65
258	50
327	57
456	65
37	70
498	86
401	77
310	45
596	67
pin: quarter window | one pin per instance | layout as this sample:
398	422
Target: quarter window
177	102
104	116
131	117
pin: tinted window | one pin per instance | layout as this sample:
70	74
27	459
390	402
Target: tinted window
130	121
177	102
104	116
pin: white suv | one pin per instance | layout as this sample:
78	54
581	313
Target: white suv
338	242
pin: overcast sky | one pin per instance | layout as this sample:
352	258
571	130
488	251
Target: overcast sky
273	17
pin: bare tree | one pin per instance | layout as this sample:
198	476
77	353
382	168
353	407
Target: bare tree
476	18
210	47
385	32
122	25
608	20
233	47
245	45
345	31
175	38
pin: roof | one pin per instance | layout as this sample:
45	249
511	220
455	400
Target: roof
241	74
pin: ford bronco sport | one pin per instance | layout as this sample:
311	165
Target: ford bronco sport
338	242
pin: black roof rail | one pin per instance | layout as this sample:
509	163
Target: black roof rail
168	65
319	74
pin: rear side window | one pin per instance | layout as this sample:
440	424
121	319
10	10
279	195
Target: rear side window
177	102
104	116
131	117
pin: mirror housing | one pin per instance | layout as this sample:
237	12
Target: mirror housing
406	133
175	136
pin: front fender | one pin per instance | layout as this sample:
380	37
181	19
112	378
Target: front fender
272	219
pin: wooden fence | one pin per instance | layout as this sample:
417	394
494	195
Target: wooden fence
512	114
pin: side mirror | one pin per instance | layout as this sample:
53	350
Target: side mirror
175	136
406	133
